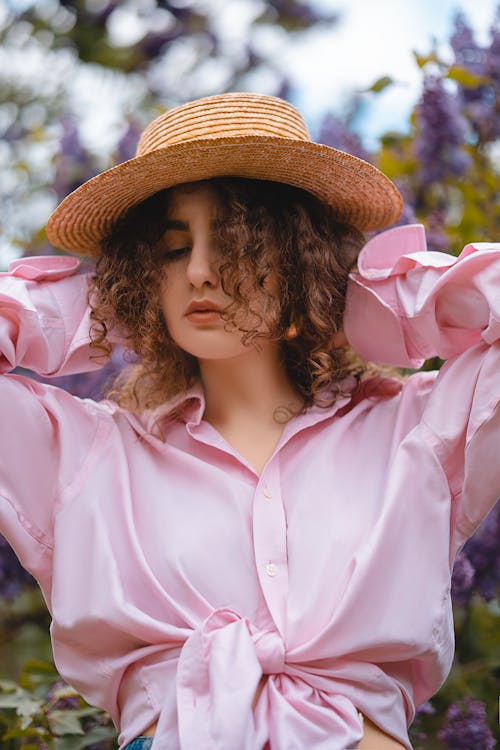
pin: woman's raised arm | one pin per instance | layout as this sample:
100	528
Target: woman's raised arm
46	434
405	305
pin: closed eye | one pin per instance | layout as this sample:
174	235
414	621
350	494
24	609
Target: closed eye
175	254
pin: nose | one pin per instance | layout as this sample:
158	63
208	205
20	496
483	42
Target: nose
203	265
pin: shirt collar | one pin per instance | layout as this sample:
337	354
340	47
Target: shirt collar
190	406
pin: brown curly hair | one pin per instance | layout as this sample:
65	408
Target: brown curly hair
261	228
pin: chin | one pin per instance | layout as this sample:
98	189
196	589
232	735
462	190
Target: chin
211	349
215	353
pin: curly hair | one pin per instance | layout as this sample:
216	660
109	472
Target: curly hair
261	227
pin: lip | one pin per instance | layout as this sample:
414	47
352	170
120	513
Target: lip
202	306
203	316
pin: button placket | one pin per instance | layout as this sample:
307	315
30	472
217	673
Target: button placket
270	543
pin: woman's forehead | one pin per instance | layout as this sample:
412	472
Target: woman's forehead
188	189
189	197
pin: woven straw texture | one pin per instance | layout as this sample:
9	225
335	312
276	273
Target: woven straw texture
245	135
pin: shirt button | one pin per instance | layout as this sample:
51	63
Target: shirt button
271	569
267	492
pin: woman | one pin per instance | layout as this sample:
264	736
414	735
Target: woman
250	545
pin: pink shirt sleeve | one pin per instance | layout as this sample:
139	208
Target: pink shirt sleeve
44	317
44	326
406	304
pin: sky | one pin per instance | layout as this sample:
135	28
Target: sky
374	39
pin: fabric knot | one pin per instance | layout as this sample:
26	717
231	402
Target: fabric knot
270	652
220	666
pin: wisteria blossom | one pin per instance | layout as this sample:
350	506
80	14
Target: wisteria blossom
466	727
441	134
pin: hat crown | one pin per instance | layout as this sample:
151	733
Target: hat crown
225	116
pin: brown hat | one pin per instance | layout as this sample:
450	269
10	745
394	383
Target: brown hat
244	135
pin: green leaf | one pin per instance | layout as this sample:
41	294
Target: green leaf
25	706
391	138
84	713
23	703
7	686
381	84
97	734
466	78
39	666
37	672
422	60
32	737
64	722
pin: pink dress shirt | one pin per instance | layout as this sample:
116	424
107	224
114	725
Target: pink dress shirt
176	575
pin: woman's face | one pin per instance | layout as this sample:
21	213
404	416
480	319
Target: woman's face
192	285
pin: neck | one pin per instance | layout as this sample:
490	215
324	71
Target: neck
248	387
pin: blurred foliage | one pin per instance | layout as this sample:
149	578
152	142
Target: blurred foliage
71	70
41	711
37	708
447	164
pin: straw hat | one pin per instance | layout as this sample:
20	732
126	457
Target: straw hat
245	135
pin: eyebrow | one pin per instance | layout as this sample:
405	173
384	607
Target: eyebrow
182	226
176	224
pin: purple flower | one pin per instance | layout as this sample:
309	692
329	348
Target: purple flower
74	164
435	231
417	735
284	90
441	134
128	142
336	133
493	72
466	727
70	700
300	14
408	213
493	52
92	384
155	43
426	708
13	577
483	552
100	14
468	54
462	579
479	103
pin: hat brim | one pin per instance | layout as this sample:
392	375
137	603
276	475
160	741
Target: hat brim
359	193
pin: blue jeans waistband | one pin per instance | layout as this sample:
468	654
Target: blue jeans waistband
140	743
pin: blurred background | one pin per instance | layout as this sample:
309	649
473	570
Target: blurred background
412	87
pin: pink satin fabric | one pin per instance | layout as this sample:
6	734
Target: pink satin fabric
176	575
